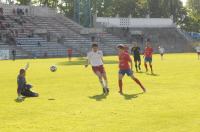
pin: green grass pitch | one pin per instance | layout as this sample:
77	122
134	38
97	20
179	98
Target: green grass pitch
71	101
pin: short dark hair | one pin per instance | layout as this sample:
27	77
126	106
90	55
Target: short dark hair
22	71
94	45
121	46
148	40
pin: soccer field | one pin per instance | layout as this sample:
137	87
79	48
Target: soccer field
71	99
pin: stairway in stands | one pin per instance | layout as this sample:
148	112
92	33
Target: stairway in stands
59	27
106	41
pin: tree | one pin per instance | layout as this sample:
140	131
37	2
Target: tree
23	2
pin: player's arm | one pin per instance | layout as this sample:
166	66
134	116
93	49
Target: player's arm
132	49
20	87
102	57
130	61
144	53
87	62
27	66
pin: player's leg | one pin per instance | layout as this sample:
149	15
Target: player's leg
121	75
162	56
100	78
145	64
28	93
105	82
139	64
198	55
138	82
136	65
150	65
69	56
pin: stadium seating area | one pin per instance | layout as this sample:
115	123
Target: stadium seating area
51	35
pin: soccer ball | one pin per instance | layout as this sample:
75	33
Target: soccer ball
53	68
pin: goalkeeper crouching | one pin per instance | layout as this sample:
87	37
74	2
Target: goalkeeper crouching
24	89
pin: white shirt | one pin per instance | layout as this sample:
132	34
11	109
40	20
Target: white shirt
198	49
161	50
95	58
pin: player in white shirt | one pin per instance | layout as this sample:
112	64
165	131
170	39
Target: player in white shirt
161	51
198	51
95	59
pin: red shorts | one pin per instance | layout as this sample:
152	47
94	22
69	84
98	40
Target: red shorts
98	69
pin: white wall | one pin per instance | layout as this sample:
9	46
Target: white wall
136	22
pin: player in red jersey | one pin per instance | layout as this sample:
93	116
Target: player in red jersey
69	53
124	60
148	52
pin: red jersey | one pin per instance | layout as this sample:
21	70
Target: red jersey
124	59
126	49
148	52
69	51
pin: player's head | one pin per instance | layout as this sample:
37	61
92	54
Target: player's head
135	44
148	44
22	72
121	48
95	47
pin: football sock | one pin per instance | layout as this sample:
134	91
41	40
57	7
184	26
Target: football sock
120	85
151	68
139	83
101	82
146	67
136	67
106	83
139	66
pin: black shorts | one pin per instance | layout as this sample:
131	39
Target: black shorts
28	93
137	58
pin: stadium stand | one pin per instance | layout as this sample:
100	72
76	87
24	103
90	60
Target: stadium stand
41	32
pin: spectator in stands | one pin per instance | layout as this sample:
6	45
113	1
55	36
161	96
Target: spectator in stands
14	11
1	11
18	11
18	43
14	54
45	55
16	33
1	25
69	53
26	10
39	44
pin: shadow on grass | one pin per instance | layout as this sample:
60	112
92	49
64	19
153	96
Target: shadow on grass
155	75
99	97
20	100
131	96
82	61
140	72
51	99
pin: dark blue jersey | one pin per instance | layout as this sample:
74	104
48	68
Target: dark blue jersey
21	82
135	51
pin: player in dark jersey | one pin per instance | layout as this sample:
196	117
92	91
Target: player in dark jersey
24	89
135	51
